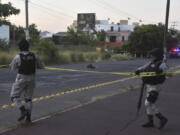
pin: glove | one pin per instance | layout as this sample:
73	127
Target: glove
137	72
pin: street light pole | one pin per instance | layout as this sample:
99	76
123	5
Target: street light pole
166	30
1	13
27	20
14	34
27	15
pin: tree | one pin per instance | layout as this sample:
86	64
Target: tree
34	33
101	36
72	36
2	21
7	10
82	38
19	33
146	37
178	36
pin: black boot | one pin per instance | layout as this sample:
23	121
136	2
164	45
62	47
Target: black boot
23	113
150	122
28	118
163	120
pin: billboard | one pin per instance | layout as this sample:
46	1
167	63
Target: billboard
86	21
4	33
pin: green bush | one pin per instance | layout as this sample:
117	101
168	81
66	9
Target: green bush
118	57
7	56
117	49
77	57
3	45
64	58
48	50
105	56
91	56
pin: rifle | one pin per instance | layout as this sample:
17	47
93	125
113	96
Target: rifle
140	98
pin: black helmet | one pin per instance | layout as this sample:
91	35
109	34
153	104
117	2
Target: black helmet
157	52
23	45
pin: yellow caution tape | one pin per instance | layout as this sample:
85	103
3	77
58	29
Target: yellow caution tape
89	87
4	66
42	98
113	73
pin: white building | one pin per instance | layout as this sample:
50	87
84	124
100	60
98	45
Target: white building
113	27
5	33
116	33
46	34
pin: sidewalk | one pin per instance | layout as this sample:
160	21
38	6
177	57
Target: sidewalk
110	115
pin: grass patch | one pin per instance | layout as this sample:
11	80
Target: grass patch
118	57
7	56
64	55
77	48
92	56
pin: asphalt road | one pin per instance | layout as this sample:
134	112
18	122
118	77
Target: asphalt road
50	82
110	116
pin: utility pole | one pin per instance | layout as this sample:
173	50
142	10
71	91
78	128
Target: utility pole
14	34
166	30
0	3
27	20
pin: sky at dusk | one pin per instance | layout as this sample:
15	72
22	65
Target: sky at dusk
57	15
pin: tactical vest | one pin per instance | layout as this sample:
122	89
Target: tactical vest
153	80
28	64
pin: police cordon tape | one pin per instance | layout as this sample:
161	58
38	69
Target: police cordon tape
4	107
4	66
143	74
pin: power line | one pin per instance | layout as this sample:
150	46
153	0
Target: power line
115	9
107	9
52	5
61	13
51	10
103	4
48	12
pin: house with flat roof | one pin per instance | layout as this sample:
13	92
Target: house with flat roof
116	34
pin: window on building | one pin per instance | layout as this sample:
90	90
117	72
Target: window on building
112	38
112	28
123	38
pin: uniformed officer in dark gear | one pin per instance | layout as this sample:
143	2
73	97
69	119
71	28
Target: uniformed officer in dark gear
25	64
152	86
